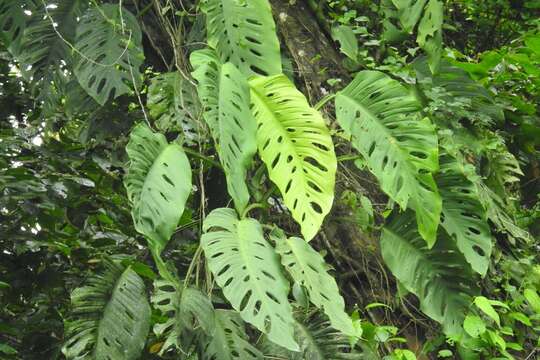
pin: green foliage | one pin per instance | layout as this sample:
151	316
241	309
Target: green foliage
224	93
109	51
243	33
422	137
158	184
173	104
463	216
308	268
317	341
111	316
186	309
248	271
229	340
439	276
401	148
297	149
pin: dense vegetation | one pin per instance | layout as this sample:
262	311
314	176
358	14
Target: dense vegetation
254	179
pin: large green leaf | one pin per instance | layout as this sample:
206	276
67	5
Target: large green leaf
308	268
173	104
248	271
297	149
13	22
224	93
42	51
400	148
109	52
229	340
463	216
158	184
430	33
186	309
244	33
111	316
440	277
408	12
317	340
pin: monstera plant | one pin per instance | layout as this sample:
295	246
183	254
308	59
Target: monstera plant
164	162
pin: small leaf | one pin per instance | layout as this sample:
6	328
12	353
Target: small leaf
484	304
474	325
347	41
522	318
533	299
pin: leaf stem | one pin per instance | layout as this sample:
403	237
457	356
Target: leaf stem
202	157
251	207
348	157
324	100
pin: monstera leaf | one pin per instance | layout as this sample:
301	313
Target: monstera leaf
13	22
248	271
158	184
110	52
400	148
224	92
229	340
308	268
42	51
297	149
430	33
111	316
185	308
440	277
318	340
244	33
173	103
463	216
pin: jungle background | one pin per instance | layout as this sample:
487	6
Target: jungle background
65	215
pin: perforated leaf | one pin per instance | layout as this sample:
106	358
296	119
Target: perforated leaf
43	55
224	93
244	33
308	268
247	269
440	277
186	310
430	33
110	317
158	184
318	340
229	340
173	104
12	22
400	147
297	149
111	52
463	216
